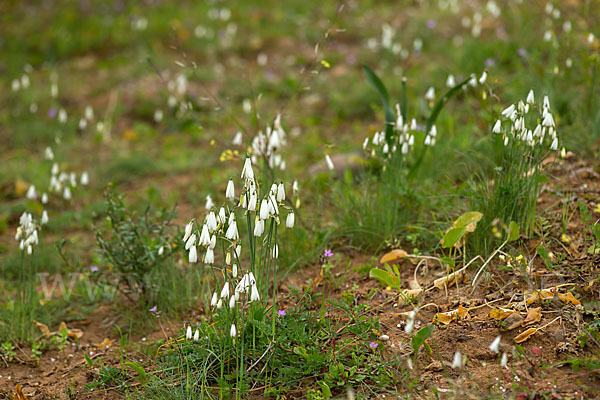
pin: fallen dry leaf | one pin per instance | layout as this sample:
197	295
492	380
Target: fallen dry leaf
569	298
501	313
550	293
72	333
525	335
513	322
44	328
318	279
540	294
407	293
449	280
393	256
447	317
106	343
19	395
533	315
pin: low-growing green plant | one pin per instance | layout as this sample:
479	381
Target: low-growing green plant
7	351
312	356
139	256
133	246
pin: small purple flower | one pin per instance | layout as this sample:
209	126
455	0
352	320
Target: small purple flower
153	309
490	62
431	23
281	313
93	268
522	52
52	112
327	253
373	345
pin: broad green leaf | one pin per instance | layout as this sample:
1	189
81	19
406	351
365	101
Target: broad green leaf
471	217
448	260
433	116
386	278
419	338
513	231
376	83
325	389
453	236
543	252
142	376
88	360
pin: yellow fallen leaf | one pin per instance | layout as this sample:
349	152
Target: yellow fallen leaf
540	294
569	298
447	317
393	256
549	293
501	313
525	335
106	343
75	333
72	333
318	279
44	328
20	188
533	315
19	395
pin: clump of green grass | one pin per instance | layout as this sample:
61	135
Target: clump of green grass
522	139
390	195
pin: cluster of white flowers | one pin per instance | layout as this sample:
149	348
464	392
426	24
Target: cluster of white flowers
189	336
88	117
221	226
543	134
61	182
268	145
27	233
403	138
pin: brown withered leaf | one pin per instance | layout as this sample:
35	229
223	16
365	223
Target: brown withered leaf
106	343
450	279
533	315
72	333
550	293
513	321
447	317
569	298
501	313
44	328
525	335
393	256
19	395
317	281
540	294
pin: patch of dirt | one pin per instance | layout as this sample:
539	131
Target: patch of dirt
530	372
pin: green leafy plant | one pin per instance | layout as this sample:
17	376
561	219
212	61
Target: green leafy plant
420	339
131	244
7	351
